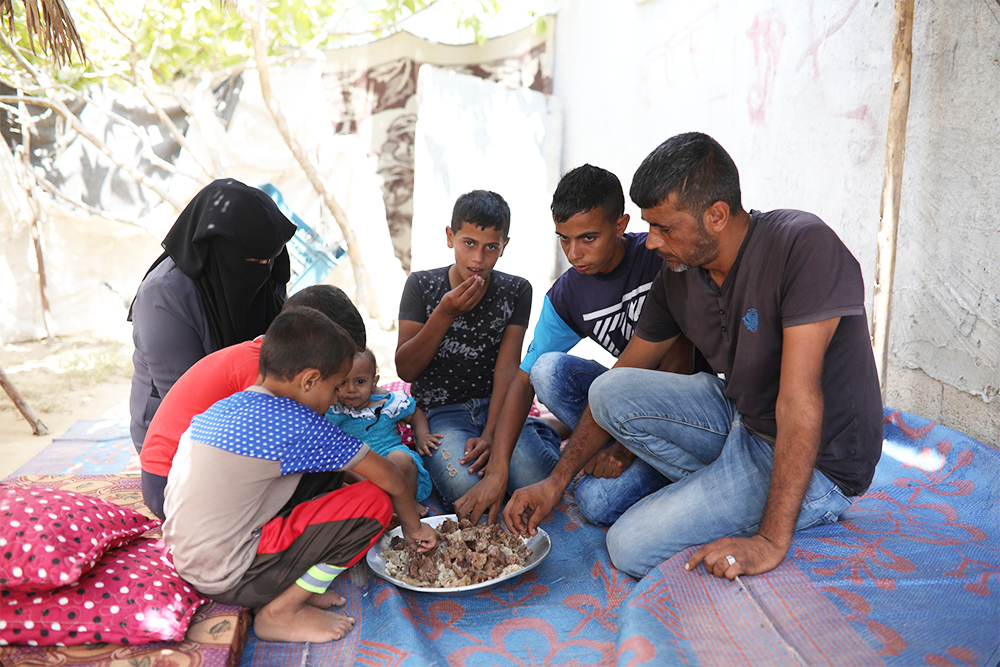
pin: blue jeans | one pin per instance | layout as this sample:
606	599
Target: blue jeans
562	382
683	426
534	455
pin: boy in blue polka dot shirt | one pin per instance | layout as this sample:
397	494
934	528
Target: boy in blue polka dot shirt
240	528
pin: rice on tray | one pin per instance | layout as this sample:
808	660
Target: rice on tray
466	554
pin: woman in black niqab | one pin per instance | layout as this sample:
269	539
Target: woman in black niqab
230	240
220	281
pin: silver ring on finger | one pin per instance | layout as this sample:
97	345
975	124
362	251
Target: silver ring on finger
731	560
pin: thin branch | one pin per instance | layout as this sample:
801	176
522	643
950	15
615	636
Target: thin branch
363	282
147	148
325	33
27	178
80	129
48	187
219	76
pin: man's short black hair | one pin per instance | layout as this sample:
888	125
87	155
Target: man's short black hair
694	166
301	338
335	304
586	188
482	208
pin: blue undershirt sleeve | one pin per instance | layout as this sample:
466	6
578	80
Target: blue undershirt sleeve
552	334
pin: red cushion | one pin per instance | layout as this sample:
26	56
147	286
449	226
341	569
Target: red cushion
50	537
133	595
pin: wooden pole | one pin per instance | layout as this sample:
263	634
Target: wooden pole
892	178
36	424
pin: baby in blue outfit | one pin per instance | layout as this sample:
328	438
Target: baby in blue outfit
372	419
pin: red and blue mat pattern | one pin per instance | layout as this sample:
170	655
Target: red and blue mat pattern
909	576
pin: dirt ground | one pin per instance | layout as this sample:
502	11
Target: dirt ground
64	380
87	377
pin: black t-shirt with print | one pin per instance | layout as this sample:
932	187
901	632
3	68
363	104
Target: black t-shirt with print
463	366
791	270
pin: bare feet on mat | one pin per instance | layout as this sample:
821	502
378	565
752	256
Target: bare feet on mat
422	510
326	600
393	522
301	623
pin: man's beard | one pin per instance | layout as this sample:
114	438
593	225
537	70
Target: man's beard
706	249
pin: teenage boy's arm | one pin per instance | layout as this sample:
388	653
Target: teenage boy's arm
529	505
799	413
419	341
613	460
488	493
387	477
477	450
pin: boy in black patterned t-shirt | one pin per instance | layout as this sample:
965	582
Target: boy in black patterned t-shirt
460	333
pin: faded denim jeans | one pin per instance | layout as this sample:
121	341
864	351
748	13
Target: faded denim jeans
683	426
561	382
534	455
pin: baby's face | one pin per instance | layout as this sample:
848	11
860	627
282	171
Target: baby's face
356	389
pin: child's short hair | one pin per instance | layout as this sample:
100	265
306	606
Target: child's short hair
584	189
335	304
482	208
371	355
301	338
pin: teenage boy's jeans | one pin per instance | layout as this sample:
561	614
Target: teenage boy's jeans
683	426
534	456
561	382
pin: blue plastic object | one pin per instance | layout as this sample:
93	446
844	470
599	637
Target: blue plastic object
312	259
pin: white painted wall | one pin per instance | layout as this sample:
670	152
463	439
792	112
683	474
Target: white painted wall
474	134
798	93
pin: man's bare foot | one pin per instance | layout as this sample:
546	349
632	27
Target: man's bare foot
422	510
326	600
393	522
300	623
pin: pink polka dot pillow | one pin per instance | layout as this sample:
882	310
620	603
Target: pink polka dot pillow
133	595
50	537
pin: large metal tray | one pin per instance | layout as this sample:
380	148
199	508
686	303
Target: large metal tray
540	546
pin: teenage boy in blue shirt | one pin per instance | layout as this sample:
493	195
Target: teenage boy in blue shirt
600	298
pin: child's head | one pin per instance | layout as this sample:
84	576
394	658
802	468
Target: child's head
305	355
588	210
482	208
480	223
332	302
356	389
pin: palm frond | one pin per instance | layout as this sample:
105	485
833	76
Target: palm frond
50	22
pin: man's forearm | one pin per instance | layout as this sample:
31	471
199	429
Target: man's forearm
587	439
799	429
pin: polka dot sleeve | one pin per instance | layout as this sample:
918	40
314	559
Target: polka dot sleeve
272	428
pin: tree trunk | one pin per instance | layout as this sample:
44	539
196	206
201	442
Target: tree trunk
895	144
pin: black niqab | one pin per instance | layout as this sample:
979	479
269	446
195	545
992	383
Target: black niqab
226	224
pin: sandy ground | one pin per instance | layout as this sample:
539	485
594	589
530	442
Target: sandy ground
64	380
87	377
